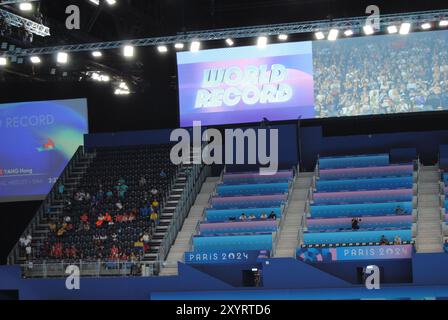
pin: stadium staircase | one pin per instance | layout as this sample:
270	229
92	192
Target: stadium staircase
288	235
52	206
429	224
182	242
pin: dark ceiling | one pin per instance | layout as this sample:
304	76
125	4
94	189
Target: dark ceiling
130	19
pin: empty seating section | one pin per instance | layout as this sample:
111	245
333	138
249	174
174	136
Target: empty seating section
361	200
445	181
94	240
244	213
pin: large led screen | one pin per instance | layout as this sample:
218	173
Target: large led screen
349	77
37	139
245	84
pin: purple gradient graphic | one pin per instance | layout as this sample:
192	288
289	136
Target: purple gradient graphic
299	77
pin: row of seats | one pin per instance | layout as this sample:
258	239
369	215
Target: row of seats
259	198
103	175
360	200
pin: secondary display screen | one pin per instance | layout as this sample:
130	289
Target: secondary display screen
348	77
37	139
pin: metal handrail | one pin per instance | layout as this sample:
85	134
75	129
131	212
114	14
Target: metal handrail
89	268
80	152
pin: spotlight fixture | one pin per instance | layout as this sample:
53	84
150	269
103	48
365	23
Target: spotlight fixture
195	46
392	29
426	26
319	35
162	49
25	6
35	59
95	2
128	51
262	42
368	30
3	61
348	33
229	42
333	34
62	57
283	37
405	28
179	45
97	54
443	23
111	2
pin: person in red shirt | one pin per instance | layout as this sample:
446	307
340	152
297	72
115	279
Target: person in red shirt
119	218
114	252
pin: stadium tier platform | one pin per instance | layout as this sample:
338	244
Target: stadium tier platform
244	213
118	210
360	200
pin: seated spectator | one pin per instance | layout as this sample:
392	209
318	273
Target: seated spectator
154	218
139	245
399	211
142	182
61	189
132	216
272	216
144	211
119	218
99	222
243	217
355	224
121	180
53	226
67	219
397	240
252	216
73	252
384	241
109	194
84	218
119	205
154	192
264	216
114	252
162	174
108	218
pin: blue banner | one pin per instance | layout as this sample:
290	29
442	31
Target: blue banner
354	253
225	257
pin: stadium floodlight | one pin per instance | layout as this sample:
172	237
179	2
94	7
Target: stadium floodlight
179	45
405	28
128	51
333	34
25	6
35	59
97	54
426	26
162	49
283	37
229	42
95	2
319	35
368	30
262	42
62	57
105	78
111	2
443	23
348	33
123	85
195	46
392	29
3	61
